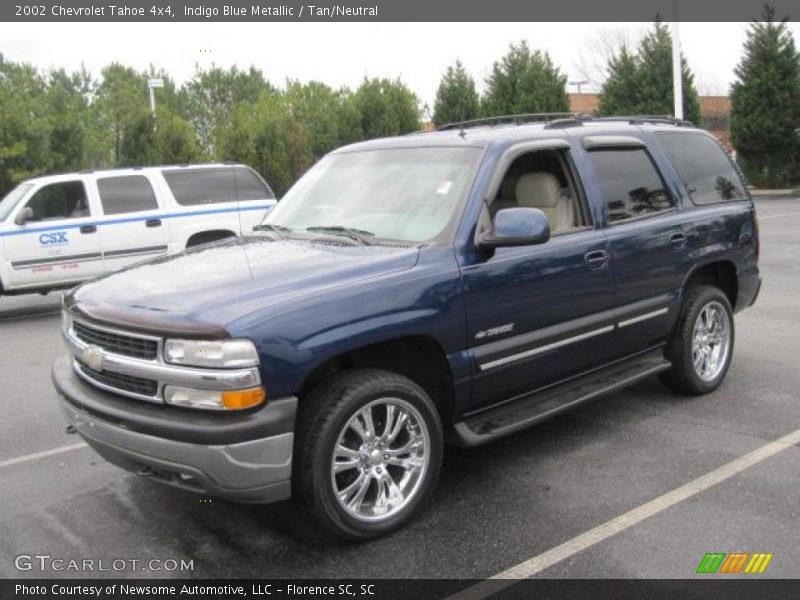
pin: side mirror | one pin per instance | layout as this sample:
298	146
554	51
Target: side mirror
24	215
516	227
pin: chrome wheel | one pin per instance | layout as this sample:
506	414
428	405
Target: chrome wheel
380	459
711	341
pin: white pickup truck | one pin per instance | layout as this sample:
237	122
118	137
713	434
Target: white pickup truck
59	230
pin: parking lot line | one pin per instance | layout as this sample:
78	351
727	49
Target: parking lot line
539	563
43	454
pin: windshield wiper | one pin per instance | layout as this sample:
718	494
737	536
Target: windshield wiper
354	234
279	229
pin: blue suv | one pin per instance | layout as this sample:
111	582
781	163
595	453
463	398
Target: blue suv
452	286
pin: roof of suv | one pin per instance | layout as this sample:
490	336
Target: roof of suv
126	171
508	133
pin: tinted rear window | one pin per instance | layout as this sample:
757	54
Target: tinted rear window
201	186
249	186
208	186
631	185
128	194
705	169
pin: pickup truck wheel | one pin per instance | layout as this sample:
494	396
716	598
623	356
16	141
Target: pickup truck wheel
368	452
701	350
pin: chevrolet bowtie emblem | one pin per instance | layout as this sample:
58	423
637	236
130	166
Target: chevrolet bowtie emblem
93	357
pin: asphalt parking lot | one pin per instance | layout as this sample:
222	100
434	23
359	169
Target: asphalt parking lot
495	506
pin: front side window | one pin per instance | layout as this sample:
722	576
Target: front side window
11	199
128	194
630	183
704	168
409	194
64	200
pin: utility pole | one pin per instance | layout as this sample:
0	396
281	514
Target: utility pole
152	84
677	80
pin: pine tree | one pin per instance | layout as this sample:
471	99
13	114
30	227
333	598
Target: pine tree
765	100
456	98
525	82
621	89
641	83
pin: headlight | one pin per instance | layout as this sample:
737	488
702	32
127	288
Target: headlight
216	353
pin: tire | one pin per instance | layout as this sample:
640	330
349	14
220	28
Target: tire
327	420
688	344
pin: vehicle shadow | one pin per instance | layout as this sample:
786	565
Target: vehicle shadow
15	308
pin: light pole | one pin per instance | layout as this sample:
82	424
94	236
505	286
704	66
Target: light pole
579	83
152	84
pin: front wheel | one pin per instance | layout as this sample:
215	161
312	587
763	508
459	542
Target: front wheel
702	347
368	452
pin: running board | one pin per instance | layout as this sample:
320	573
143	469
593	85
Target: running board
538	406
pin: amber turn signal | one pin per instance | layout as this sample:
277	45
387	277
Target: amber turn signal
239	399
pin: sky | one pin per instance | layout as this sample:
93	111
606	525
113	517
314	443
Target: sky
342	54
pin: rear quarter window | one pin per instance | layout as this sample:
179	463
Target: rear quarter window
707	172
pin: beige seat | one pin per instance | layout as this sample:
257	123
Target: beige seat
543	191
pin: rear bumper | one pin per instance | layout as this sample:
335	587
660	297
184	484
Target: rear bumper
253	470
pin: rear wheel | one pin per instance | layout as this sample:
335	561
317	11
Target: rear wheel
701	350
368	453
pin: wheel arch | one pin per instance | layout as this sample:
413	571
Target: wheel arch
209	235
421	358
722	274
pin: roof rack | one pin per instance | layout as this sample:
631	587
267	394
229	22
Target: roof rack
508	120
653	119
560	119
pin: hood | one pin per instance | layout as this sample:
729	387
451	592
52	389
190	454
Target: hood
201	289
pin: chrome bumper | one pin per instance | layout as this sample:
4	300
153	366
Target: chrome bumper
253	471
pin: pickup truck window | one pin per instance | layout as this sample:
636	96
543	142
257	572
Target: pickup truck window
705	169
126	194
631	184
409	194
63	200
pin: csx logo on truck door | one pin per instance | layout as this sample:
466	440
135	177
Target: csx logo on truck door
54	239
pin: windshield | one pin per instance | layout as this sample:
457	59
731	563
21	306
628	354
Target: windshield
409	194
10	200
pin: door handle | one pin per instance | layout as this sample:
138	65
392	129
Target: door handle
596	260
678	240
89	229
153	223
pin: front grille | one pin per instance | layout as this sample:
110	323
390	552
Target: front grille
118	381
116	343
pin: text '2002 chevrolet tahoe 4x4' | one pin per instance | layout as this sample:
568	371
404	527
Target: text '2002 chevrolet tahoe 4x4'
460	284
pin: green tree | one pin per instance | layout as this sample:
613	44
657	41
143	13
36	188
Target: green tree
456	98
66	108
318	107
386	107
24	135
174	139
120	105
137	143
525	82
765	100
621	89
210	97
641	84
